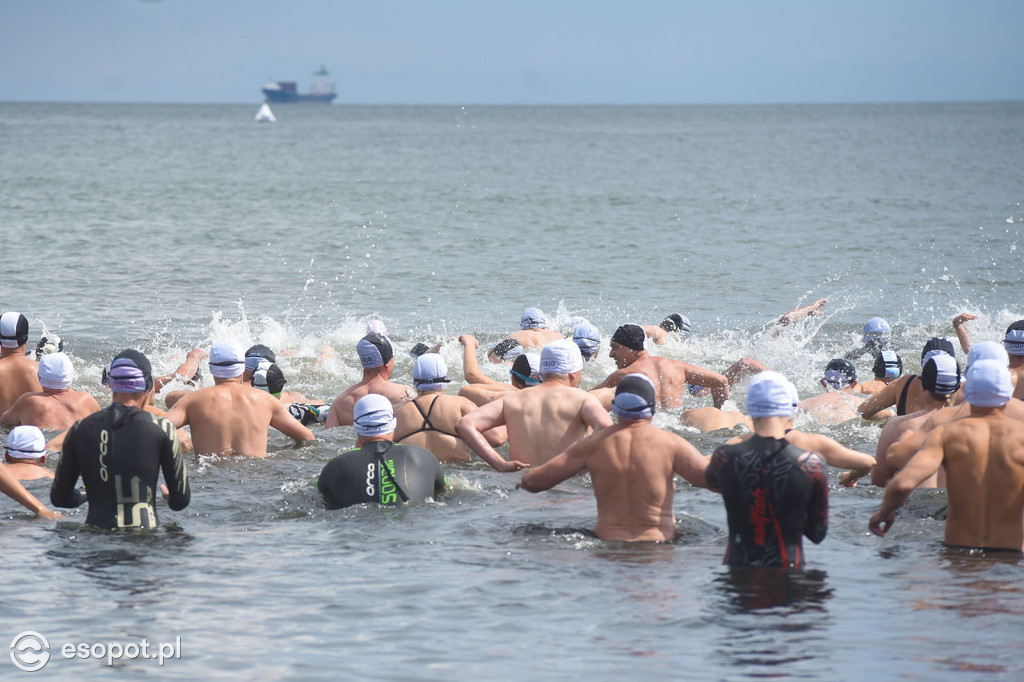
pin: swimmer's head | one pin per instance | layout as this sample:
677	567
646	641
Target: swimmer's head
588	339
374	415
268	377
934	345
940	375
771	395
374	351
227	360
533	318
630	335
26	443
505	350
525	370
129	372
888	365
560	357
877	333
988	384
256	355
419	349
1014	342
430	373
635	397
839	374
13	330
987	350
56	371
678	324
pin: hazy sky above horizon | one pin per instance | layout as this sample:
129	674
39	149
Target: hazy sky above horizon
528	52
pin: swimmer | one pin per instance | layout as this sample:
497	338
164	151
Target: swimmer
26	454
588	338
674	326
187	371
1013	343
482	389
542	420
877	337
774	491
669	376
18	372
506	350
377	470
230	418
905	393
900	452
706	419
940	378
838	403
119	453
984	459
888	368
378	360
746	366
428	421
534	332
12	487
631	465
57	406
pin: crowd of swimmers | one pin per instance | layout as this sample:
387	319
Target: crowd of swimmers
956	427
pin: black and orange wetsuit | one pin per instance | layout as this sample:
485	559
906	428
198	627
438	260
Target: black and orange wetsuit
774	494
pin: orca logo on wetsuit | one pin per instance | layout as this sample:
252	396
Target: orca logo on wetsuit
371	479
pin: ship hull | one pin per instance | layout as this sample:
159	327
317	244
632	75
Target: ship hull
278	97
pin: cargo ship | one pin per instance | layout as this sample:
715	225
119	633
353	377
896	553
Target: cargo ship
285	92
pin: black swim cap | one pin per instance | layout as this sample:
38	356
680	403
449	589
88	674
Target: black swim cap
129	372
502	348
374	351
937	343
261	351
840	373
941	375
13	330
523	370
888	365
270	379
676	323
630	335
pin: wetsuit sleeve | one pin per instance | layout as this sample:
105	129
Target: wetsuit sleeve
816	524
715	464
63	492
172	463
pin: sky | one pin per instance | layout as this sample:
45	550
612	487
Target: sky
524	52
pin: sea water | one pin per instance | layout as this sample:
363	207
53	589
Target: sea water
166	227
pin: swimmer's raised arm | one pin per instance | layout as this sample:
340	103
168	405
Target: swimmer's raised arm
961	331
799	313
470	364
717	383
185	370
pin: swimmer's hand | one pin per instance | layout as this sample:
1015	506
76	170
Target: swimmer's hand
959	320
468	340
850	478
512	465
47	514
165	492
880	524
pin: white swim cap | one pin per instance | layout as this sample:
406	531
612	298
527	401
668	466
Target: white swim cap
533	318
55	371
560	357
374	415
988	384
987	350
13	330
771	395
26	442
227	360
430	372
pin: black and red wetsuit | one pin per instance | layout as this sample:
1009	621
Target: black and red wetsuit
774	493
119	452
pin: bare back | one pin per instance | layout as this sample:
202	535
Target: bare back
632	467
546	419
668	376
232	418
537	338
18	374
340	413
832	407
51	410
438	436
984	460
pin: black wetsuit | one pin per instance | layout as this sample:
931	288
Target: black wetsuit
119	453
381	472
774	493
426	426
